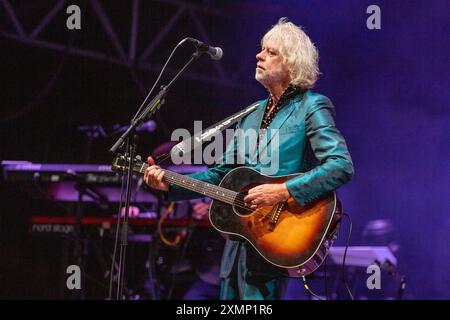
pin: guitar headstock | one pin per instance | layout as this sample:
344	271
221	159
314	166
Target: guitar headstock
121	164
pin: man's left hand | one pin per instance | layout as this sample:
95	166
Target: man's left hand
267	195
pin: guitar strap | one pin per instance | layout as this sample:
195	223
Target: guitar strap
188	145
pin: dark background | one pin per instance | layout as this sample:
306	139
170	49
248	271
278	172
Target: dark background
389	87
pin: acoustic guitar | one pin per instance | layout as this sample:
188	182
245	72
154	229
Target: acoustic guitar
294	237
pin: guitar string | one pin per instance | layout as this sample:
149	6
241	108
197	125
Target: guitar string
230	199
235	200
181	180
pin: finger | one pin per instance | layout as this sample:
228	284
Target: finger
254	204
148	180
257	188
156	174
159	175
251	197
150	161
149	171
146	175
152	179
261	203
252	190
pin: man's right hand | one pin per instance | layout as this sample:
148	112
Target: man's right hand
153	176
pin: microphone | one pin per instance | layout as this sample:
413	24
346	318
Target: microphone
216	53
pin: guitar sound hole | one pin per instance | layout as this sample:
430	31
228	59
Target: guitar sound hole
239	205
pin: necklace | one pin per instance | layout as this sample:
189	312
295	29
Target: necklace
271	111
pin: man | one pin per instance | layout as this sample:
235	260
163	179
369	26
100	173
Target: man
308	142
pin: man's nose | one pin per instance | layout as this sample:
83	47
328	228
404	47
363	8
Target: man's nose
260	56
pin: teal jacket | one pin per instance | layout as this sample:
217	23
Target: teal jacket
302	137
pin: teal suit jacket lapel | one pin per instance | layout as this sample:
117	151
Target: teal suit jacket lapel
260	114
256	125
276	124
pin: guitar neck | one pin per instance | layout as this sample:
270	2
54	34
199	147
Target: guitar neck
207	189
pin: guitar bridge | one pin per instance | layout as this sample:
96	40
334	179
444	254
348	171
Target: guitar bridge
275	216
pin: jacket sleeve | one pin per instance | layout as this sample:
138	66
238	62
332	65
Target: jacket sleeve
213	176
328	145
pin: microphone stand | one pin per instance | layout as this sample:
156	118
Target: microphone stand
129	137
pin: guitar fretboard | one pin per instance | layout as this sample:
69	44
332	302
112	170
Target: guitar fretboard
205	188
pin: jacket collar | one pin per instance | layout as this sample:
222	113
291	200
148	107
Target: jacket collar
286	110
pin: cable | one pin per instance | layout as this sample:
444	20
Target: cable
159	77
116	240
130	147
306	286
171	243
181	255
401	288
344	276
